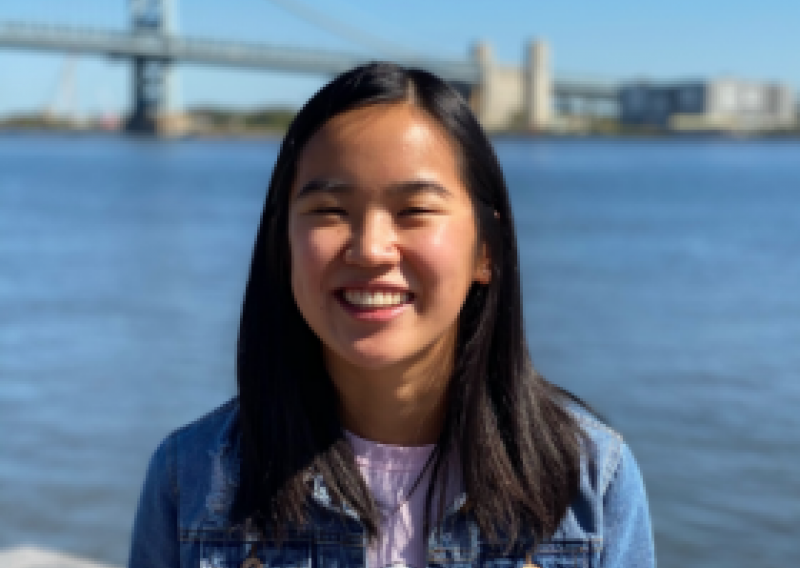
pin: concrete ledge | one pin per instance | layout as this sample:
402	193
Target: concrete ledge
32	557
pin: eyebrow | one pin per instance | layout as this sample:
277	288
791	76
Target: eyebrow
403	188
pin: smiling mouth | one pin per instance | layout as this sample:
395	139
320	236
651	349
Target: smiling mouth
374	299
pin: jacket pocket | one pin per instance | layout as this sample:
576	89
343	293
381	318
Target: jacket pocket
576	553
216	549
299	549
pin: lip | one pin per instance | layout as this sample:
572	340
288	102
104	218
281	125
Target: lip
373	314
374	286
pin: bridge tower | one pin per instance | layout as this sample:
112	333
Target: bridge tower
538	87
152	78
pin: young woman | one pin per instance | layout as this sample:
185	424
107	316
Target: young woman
388	412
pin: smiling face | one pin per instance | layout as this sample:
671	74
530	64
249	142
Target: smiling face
383	239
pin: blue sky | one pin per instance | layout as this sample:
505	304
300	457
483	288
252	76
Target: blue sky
614	39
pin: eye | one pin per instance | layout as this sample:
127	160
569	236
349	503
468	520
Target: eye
329	211
408	211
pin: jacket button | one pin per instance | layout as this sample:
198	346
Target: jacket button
528	563
251	562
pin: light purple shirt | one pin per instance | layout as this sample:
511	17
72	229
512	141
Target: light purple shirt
390	472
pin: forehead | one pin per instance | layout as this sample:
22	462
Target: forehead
380	145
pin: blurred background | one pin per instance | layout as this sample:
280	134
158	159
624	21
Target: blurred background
653	158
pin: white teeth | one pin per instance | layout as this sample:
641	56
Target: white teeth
375	299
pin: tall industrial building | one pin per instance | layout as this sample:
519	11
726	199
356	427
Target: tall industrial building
722	104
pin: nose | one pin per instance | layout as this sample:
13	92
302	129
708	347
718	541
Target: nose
373	242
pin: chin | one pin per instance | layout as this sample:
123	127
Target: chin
371	352
373	361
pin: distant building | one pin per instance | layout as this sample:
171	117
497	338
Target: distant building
721	104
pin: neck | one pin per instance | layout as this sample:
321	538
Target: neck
402	405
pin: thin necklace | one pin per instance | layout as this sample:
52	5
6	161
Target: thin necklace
392	511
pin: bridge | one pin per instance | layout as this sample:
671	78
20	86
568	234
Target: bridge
497	92
177	49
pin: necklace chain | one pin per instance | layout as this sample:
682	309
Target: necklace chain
388	512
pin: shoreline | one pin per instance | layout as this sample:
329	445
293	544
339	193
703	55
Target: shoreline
224	134
28	556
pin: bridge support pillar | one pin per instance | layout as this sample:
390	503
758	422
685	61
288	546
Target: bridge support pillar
152	109
150	96
498	97
510	97
538	87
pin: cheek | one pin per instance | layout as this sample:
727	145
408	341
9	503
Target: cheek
448	256
310	254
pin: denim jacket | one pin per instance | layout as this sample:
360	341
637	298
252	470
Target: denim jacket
183	518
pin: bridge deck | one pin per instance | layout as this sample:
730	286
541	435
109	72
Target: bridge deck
247	55
204	51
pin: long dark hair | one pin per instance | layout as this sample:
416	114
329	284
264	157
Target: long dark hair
519	446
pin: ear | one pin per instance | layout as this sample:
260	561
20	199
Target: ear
483	268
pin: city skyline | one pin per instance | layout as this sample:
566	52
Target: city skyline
618	40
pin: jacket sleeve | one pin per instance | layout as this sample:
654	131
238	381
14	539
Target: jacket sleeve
155	529
628	536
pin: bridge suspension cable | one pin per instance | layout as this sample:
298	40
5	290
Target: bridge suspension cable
346	31
62	103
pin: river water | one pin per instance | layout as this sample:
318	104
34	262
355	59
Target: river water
662	285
